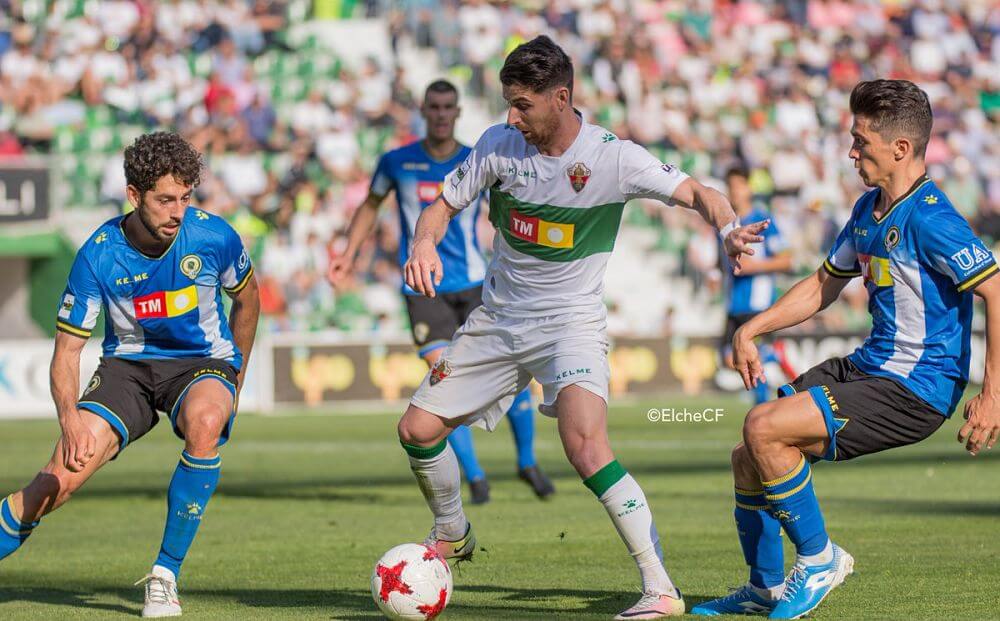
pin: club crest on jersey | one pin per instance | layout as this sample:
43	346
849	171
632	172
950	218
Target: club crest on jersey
579	174
68	301
440	371
191	265
891	238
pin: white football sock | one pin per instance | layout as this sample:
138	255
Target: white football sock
820	558
626	504
441	483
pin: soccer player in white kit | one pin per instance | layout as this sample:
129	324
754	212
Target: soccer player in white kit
557	189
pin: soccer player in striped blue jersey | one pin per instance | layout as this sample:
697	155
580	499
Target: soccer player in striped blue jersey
415	174
920	262
753	289
158	273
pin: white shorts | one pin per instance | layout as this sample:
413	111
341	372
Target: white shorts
493	358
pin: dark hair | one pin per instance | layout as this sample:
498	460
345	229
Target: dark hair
737	170
539	64
440	86
154	155
895	108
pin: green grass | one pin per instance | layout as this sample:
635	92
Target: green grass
308	503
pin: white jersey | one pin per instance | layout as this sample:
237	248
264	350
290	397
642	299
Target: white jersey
556	217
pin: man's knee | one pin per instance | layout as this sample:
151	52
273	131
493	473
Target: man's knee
419	427
758	428
203	423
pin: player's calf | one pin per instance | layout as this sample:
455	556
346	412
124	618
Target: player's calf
22	511
582	418
435	466
204	413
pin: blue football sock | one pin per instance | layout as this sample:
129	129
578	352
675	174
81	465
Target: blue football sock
189	492
13	531
793	502
522	423
760	538
460	440
762	392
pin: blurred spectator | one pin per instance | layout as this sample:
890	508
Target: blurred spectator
290	135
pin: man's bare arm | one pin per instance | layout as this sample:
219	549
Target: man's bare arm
243	318
424	260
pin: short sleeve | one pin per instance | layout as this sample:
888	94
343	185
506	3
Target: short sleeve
842	262
81	300
235	266
465	184
382	181
643	176
946	243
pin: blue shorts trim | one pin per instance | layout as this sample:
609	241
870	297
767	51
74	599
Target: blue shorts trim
833	425
786	390
110	417
224	437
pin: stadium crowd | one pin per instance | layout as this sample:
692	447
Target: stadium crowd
290	134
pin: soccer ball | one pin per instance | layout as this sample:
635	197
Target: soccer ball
411	582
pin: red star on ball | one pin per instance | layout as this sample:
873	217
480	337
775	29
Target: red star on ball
430	554
434	610
392	580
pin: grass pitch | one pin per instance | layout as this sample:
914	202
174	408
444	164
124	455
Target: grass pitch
308	503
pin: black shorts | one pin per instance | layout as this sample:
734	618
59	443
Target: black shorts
733	323
433	321
127	393
864	413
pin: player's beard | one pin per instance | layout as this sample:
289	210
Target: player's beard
152	228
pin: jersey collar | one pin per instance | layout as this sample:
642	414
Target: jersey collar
121	229
913	189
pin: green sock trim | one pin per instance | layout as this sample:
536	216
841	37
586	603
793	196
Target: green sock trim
602	480
425	452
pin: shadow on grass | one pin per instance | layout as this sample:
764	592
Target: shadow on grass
82	598
906	506
506	602
199	600
539	601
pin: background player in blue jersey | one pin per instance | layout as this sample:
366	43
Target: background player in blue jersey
753	289
158	273
920	260
416	173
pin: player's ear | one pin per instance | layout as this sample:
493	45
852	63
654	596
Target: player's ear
562	98
133	195
901	147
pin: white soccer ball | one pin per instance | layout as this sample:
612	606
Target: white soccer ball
411	582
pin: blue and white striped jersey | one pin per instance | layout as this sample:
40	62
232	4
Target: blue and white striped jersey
919	263
417	179
158	307
756	292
